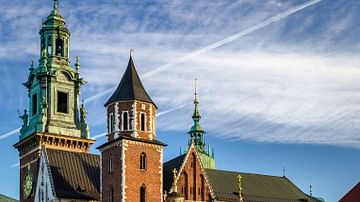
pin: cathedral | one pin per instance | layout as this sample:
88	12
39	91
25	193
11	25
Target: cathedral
54	143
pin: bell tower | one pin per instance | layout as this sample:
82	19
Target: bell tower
55	117
132	157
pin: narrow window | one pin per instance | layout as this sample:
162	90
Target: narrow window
111	123
111	164
62	102
143	193
111	194
125	121
143	161
142	124
202	189
34	104
49	49
59	47
185	177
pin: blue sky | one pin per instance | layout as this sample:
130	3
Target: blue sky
282	91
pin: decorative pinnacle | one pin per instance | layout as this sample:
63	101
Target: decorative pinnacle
310	190
239	178
174	174
56	4
196	98
31	65
131	52
77	64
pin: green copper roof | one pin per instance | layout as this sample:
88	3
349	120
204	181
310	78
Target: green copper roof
4	198
130	87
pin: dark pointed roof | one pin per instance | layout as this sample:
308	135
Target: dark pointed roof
130	87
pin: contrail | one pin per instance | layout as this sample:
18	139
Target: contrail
208	48
158	115
217	44
10	133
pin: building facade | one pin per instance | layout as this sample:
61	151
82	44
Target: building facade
54	143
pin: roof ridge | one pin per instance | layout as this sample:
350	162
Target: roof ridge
239	172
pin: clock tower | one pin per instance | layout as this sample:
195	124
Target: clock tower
55	117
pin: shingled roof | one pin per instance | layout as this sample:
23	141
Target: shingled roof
130	87
255	187
75	175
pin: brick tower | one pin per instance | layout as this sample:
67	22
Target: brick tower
54	118
132	158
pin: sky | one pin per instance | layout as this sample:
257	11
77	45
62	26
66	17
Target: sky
277	79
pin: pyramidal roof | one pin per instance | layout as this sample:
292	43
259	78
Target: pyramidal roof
130	87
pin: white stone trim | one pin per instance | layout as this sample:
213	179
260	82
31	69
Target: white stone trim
192	147
44	178
123	173
117	118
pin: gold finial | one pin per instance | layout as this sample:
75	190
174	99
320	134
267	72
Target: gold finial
131	52
28	166
174	174
239	177
78	59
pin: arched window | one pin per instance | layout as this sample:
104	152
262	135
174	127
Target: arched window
194	176
202	188
111	123
185	190
59	51
111	164
143	193
111	194
143	161
125	120
142	124
49	44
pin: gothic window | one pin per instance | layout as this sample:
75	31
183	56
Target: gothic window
111	164
59	47
202	188
49	49
62	102
143	193
142	122
111	194
194	176
125	121
111	123
185	190
143	161
34	104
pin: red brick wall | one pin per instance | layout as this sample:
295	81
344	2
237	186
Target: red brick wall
151	177
134	176
149	110
196	190
34	167
111	179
